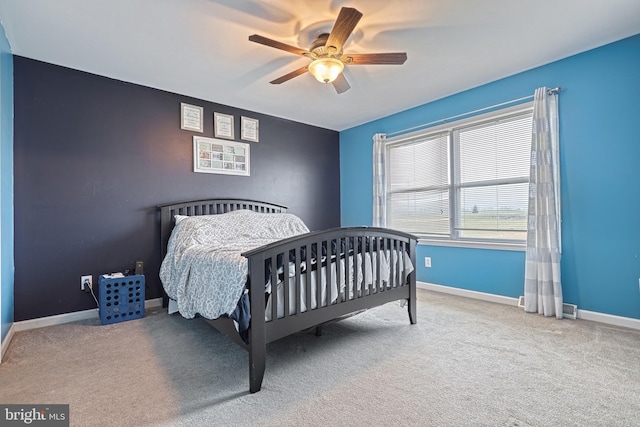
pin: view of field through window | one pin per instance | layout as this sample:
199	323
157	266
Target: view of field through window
485	197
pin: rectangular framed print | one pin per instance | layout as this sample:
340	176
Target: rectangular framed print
249	129
211	155
223	125
191	117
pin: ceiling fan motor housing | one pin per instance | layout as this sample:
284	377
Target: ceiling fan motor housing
319	47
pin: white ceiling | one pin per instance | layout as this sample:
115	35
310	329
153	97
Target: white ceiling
200	48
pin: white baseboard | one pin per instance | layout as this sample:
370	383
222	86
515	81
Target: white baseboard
59	319
594	316
610	319
5	344
468	294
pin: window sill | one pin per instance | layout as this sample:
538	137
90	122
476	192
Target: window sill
498	246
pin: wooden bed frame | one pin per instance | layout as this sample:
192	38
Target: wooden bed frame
350	240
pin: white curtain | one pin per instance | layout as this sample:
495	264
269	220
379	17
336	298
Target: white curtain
379	186
542	287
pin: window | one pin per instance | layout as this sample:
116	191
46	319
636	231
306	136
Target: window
463	181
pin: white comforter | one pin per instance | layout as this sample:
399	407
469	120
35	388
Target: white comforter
203	270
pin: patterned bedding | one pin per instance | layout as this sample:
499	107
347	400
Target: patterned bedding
203	270
362	271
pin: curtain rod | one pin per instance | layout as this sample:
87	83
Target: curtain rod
513	101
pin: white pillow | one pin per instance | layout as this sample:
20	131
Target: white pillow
179	218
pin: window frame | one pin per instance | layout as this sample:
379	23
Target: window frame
454	238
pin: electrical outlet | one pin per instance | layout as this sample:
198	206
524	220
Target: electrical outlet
86	283
427	261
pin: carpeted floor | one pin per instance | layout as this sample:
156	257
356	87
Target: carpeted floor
466	363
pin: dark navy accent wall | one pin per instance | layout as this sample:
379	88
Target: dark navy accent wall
94	156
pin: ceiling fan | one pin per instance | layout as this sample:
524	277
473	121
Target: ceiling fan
328	60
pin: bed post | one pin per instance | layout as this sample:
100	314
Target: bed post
413	318
166	224
257	331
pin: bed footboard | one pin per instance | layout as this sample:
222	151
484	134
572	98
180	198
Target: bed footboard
313	278
318	277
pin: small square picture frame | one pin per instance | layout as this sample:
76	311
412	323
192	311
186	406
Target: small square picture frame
249	129
191	117
223	126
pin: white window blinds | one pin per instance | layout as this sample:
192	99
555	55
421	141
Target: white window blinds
465	180
418	196
492	179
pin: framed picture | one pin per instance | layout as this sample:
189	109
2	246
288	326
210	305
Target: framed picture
191	117
223	125
249	129
212	155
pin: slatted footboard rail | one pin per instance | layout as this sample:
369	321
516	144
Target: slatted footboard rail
321	276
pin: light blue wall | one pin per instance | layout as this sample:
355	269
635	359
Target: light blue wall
599	110
6	185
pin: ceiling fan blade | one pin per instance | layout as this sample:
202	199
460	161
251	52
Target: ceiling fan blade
341	84
278	45
375	58
290	75
342	29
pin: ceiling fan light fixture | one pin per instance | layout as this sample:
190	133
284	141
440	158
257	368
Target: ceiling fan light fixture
326	52
326	70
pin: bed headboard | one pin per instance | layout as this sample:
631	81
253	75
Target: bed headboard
207	207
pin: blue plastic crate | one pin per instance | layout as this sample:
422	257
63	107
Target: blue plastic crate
120	298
